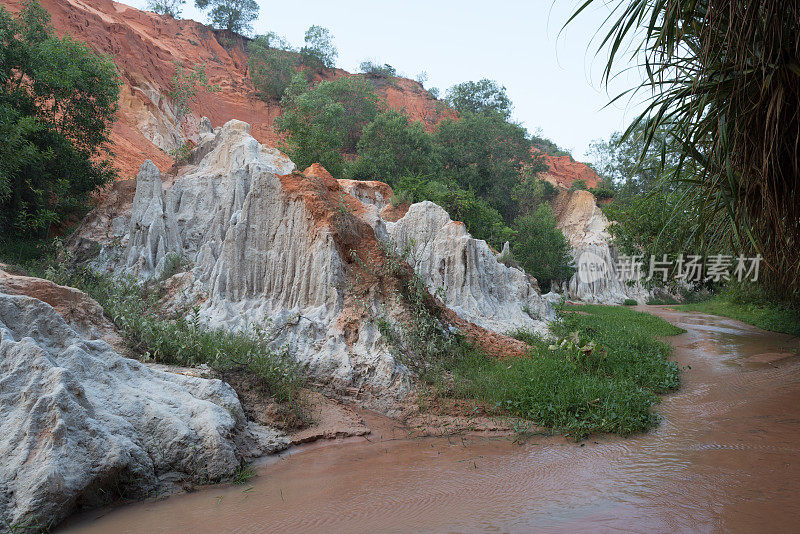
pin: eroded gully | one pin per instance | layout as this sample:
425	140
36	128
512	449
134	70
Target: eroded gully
724	458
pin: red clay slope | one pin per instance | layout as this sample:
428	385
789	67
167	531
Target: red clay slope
564	171
145	45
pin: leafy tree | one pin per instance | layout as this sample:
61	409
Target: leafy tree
579	185
275	41
166	7
483	96
58	100
182	92
541	248
484	153
326	120
633	166
232	15
376	69
392	147
480	218
532	191
547	146
271	68
319	51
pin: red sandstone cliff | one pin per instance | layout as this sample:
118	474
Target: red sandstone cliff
145	46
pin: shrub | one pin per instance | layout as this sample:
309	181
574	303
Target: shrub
603	374
532	191
481	219
541	248
271	69
391	147
58	100
231	15
483	153
326	120
319	51
579	185
601	193
547	146
630	302
170	8
484	96
376	69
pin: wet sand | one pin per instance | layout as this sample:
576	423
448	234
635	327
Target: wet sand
724	458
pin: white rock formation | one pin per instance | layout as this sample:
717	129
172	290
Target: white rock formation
259	256
596	279
466	273
79	422
271	248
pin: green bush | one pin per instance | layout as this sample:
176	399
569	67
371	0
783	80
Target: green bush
532	191
58	100
579	185
480	218
391	147
484	96
234	16
483	153
630	302
319	51
547	146
170	8
541	248
376	69
601	193
603	375
326	120
271	69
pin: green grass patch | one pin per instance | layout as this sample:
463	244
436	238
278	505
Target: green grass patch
604	376
773	316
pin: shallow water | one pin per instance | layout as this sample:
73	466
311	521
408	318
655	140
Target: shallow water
725	457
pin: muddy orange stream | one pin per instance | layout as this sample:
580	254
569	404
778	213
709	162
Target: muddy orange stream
724	458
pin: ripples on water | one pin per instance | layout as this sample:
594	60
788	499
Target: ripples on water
723	458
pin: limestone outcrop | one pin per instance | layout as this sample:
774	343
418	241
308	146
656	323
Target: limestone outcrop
79	423
466	273
596	279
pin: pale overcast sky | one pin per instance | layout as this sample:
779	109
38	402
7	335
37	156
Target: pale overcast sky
552	77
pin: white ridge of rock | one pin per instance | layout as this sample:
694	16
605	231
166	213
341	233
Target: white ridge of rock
258	257
596	279
466	272
78	420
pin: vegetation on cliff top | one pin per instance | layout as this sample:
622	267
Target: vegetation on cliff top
58	100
